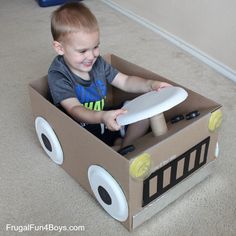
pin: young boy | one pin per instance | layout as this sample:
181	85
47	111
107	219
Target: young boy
78	75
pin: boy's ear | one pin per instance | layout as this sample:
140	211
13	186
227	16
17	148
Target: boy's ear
58	47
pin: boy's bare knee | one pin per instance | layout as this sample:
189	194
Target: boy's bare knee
135	131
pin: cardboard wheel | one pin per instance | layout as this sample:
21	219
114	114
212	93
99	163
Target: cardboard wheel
108	192
49	140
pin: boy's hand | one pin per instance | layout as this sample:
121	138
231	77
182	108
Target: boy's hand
109	119
157	85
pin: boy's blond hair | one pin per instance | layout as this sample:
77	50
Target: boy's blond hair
71	18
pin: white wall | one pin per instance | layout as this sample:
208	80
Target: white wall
205	28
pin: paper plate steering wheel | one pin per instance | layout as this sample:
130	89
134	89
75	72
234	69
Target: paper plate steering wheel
152	105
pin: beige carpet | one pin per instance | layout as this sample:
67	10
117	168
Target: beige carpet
33	190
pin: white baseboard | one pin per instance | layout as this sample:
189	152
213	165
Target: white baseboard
218	66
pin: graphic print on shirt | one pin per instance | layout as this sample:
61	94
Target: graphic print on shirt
92	97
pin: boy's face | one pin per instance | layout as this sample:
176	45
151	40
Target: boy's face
80	51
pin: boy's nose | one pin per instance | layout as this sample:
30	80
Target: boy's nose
90	54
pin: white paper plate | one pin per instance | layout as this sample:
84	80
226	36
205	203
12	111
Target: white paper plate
151	104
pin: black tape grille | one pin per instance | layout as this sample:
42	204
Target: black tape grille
185	157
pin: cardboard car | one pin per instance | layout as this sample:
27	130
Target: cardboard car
133	187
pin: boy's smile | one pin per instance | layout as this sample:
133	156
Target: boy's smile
80	51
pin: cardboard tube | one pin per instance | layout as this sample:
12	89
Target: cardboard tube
158	124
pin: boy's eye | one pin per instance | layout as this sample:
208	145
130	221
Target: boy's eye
82	51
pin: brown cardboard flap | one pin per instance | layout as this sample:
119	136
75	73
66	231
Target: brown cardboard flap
41	86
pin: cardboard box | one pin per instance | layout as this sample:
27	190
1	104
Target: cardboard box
179	159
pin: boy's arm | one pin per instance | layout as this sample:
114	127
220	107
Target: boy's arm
82	114
136	84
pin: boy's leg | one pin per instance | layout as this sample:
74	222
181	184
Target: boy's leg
135	131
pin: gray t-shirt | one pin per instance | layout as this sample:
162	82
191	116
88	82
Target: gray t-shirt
63	83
